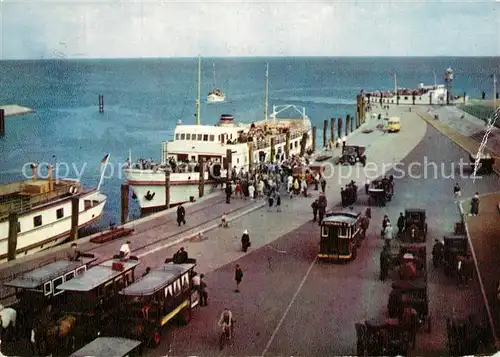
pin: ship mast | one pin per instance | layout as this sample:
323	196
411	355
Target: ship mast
214	74
266	105
198	101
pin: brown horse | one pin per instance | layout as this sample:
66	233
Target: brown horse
46	337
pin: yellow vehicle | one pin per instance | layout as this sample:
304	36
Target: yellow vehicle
393	124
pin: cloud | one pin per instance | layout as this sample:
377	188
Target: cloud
98	29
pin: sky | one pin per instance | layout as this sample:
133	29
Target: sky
34	29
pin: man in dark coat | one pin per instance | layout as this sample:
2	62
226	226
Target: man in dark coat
229	191
181	215
180	257
314	206
238	276
321	208
401	223
474	205
384	263
322	181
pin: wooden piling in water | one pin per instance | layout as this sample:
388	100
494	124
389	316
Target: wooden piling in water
303	143
332	130
250	156
313	140
352	123
287	144
2	123
167	189
201	181
101	103
325	129
347	123
339	128
273	149
229	158
12	239
75	211
124	203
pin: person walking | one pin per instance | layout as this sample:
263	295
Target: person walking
474	205
278	202
251	191
238	276
270	200
203	291
401	223
181	215
457	191
315	207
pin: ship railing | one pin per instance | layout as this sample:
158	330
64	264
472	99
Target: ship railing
24	202
264	143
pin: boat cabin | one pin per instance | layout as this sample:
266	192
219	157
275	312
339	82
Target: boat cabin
38	288
98	286
110	346
341	234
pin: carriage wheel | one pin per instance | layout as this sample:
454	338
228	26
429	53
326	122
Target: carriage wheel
155	338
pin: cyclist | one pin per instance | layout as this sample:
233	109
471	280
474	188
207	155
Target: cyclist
226	321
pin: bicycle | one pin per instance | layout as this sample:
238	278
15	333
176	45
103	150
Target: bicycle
224	336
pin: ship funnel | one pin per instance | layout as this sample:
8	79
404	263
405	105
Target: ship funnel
226	119
33	171
49	176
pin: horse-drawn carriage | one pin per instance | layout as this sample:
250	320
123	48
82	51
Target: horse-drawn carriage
410	294
409	259
415	228
466	335
164	294
380	192
486	163
352	154
36	289
386	337
455	246
89	302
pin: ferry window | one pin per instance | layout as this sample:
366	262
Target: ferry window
60	213
212	137
56	282
205	137
188	136
419	98
69	276
176	136
47	288
80	270
406	98
237	161
183	136
18	226
37	221
200	137
324	231
392	101
193	158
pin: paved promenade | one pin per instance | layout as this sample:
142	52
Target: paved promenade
291	305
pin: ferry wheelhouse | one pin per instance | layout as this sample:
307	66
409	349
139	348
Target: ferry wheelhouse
44	211
250	145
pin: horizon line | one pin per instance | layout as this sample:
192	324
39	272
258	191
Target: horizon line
236	57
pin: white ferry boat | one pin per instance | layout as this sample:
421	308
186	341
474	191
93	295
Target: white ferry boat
44	211
422	95
216	95
250	145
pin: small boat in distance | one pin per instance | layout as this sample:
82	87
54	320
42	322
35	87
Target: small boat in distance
44	211
216	95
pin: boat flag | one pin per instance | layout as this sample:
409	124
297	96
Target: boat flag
104	161
104	165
